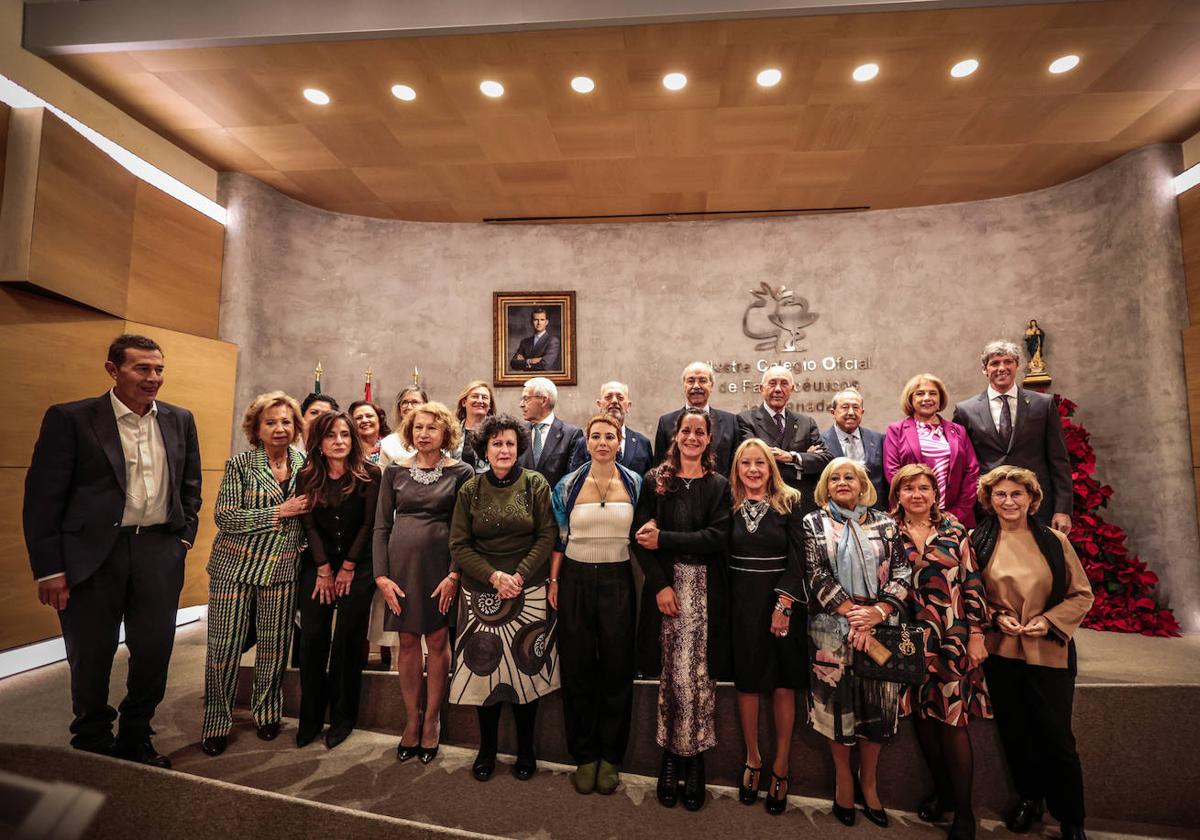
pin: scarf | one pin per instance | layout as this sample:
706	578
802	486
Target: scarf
857	573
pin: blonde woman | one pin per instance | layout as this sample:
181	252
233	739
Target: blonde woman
766	585
859	577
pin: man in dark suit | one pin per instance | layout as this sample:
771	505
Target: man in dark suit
540	351
1011	425
111	503
698	380
794	438
635	447
848	438
551	440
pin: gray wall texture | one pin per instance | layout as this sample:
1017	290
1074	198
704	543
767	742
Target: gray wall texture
1096	261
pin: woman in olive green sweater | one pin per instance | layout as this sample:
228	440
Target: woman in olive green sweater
500	539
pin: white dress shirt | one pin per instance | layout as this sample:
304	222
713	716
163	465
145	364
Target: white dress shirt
147	477
994	404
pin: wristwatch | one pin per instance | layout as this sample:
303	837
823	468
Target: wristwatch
782	610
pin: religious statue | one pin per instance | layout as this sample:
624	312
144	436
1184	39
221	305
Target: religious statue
1036	374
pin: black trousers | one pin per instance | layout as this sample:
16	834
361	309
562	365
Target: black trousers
596	655
138	584
331	664
1032	706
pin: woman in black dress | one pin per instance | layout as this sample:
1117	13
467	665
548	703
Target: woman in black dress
766	557
335	575
412	567
682	522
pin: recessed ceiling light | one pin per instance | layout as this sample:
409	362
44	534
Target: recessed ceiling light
582	84
316	97
1064	63
769	78
674	81
404	92
964	68
492	89
865	72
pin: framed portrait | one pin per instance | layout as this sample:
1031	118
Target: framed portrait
534	336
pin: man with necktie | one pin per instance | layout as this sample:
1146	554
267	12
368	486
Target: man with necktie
794	438
540	351
552	440
698	382
635	447
1010	425
847	437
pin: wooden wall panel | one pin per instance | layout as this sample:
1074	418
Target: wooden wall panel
82	222
174	265
4	111
1189	226
25	620
200	376
54	352
1191	364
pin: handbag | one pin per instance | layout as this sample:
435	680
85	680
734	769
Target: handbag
896	654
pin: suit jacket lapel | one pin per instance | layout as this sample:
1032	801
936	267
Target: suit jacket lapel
166	427
766	426
984	420
104	422
553	436
1024	406
834	443
790	422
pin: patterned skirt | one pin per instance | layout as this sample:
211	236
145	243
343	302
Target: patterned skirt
841	706
505	651
686	695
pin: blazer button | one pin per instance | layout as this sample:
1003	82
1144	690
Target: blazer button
116	524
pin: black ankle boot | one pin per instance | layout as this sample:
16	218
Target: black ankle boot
963	828
668	779
693	782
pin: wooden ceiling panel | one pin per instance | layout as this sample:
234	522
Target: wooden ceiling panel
1097	117
818	138
287	147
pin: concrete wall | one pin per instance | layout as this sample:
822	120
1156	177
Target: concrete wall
1096	261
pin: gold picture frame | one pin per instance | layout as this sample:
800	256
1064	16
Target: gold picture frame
522	350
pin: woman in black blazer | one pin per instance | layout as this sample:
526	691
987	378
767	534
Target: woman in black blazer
335	575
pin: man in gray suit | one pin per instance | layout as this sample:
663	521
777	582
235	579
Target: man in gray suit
794	438
1011	425
848	438
552	440
540	351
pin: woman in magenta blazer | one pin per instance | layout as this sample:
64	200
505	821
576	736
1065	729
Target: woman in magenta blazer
924	437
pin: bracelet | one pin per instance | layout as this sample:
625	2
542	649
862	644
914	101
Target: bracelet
553	580
324	577
883	615
782	610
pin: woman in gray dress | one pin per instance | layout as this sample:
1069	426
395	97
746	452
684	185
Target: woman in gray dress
412	566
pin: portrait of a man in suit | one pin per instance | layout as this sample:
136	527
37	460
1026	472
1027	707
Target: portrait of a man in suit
542	349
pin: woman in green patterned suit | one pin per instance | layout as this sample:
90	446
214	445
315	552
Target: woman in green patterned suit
252	569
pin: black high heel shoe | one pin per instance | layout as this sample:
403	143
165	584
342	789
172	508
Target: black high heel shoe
930	810
428	754
875	815
963	828
748	787
845	815
776	803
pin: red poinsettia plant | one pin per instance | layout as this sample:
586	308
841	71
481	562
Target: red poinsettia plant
1123	586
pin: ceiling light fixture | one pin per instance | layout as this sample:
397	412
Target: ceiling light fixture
1063	64
316	97
404	92
865	72
582	84
491	88
964	68
674	81
769	78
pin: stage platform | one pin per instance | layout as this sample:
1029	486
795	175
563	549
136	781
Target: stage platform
1137	724
1139	754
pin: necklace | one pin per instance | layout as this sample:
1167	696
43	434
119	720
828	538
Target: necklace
425	476
687	482
753	513
607	487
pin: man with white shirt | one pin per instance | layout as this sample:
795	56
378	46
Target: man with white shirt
540	351
698	382
848	438
1013	426
794	438
551	440
635	447
111	503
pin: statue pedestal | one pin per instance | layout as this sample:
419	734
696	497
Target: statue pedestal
1037	381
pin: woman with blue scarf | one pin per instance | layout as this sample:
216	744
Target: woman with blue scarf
591	586
858	575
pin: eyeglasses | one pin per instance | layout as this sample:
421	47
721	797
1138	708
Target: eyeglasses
1016	495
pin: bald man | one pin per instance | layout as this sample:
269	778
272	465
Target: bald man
635	447
698	381
794	438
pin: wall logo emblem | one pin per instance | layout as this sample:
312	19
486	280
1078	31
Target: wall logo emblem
776	319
